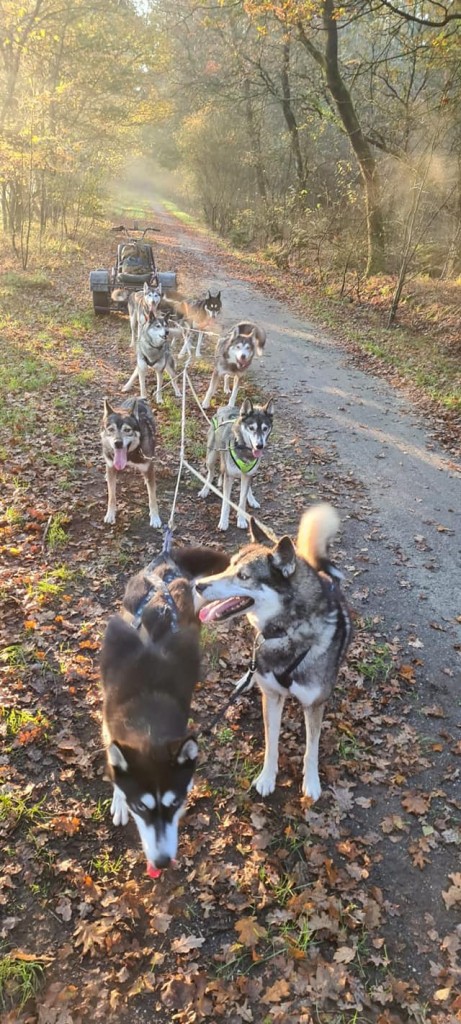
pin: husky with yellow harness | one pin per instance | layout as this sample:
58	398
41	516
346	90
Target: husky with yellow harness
238	438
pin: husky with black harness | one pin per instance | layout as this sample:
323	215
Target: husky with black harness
291	595
238	438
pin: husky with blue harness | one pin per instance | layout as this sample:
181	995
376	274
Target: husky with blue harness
238	439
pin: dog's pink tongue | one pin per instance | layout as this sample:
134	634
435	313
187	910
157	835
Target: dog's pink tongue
216	609
120	458
256	453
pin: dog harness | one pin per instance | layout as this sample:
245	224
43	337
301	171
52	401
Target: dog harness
159	584
244	465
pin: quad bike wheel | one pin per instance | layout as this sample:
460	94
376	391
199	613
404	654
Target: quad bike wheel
101	302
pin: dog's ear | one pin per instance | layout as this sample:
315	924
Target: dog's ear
108	410
146	288
246	407
209	296
218	295
260	536
187	750
283	558
116	758
269	407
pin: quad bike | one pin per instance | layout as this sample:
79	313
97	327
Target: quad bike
134	266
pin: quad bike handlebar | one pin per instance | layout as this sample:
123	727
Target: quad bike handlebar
130	232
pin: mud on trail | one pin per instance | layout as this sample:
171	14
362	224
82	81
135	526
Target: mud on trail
342	912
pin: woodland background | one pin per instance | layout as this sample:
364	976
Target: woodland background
326	136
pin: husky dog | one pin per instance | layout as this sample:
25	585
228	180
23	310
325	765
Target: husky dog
194	314
142	306
153	349
234	354
238	438
150	664
128	439
292	599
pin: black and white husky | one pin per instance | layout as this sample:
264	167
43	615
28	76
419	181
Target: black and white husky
150	664
142	306
237	439
291	596
234	355
153	351
128	441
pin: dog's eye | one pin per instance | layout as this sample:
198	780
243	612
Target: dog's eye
243	575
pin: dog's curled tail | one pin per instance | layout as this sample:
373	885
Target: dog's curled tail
318	526
260	339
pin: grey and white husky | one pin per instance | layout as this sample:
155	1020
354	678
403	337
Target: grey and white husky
237	439
153	351
234	354
150	664
128	440
291	596
142	306
194	316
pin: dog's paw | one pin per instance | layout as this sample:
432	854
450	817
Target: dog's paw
252	501
265	784
223	525
119	809
242	522
205	404
204	492
109	517
155	521
311	786
126	387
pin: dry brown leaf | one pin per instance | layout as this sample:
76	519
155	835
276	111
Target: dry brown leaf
279	990
452	896
64	908
249	931
161	922
416	803
344	955
186	942
92	935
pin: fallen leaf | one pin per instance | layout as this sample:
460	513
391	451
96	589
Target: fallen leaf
186	942
344	955
416	803
249	931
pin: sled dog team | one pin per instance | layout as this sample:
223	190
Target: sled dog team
289	590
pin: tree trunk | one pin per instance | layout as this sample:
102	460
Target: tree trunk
289	115
255	144
344	104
